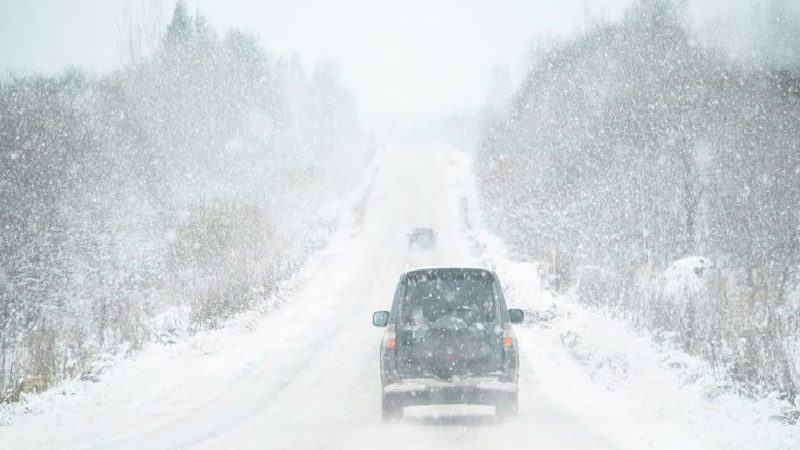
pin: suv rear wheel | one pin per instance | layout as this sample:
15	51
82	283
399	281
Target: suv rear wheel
507	407
391	408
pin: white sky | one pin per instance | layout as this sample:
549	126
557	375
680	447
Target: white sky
403	59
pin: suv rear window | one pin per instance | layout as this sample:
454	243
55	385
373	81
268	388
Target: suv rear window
468	295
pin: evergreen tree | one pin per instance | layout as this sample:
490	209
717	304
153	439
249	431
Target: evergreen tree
180	29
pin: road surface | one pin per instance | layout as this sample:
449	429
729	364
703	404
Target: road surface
305	376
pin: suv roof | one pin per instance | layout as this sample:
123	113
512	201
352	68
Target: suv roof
446	268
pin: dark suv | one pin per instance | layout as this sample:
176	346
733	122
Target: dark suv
448	340
422	238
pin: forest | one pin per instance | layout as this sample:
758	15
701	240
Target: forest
657	179
126	198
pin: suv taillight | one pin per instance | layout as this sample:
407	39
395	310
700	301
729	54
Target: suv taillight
508	336
389	338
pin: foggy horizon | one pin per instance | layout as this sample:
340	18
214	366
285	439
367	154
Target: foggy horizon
402	66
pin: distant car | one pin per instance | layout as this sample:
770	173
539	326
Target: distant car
448	340
422	238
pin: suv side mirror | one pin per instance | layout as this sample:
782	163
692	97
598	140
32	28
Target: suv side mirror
380	318
516	315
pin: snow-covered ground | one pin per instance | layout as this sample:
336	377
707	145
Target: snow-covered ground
305	374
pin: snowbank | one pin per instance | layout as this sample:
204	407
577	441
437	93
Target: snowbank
685	278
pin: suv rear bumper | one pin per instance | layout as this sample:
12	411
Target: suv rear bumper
425	391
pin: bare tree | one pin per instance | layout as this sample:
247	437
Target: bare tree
140	31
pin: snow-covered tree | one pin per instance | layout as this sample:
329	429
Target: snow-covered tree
631	147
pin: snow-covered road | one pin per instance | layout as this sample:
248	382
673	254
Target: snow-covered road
305	375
